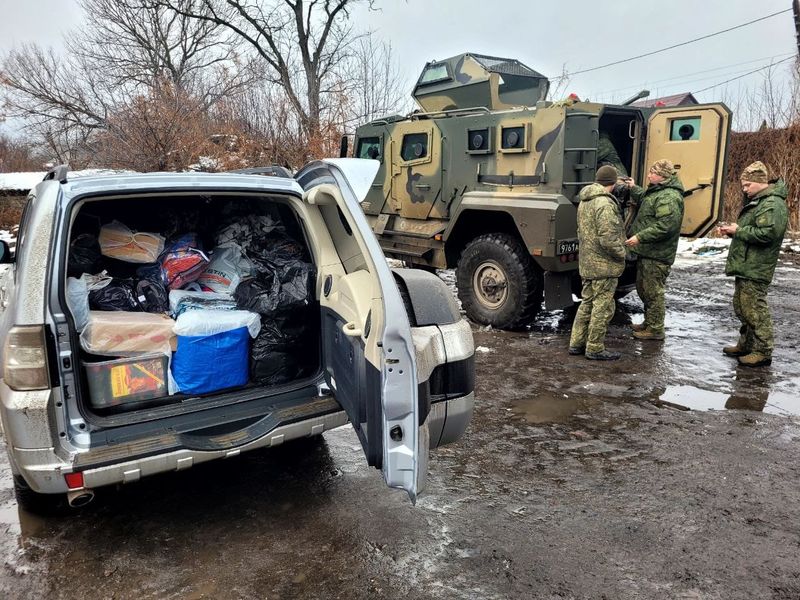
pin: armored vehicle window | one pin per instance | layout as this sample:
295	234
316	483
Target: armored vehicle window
479	141
369	147
434	73
513	138
415	146
684	129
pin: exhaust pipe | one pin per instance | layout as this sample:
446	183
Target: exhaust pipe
78	498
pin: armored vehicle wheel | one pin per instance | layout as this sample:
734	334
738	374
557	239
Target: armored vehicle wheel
498	282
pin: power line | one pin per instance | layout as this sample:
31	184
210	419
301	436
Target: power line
686	82
745	75
683	77
705	37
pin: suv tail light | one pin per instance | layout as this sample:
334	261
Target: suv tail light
25	356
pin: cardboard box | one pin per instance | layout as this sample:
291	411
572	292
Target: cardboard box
111	333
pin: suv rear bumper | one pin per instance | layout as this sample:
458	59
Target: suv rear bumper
43	470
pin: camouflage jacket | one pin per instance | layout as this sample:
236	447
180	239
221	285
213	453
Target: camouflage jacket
658	221
602	240
607	155
755	246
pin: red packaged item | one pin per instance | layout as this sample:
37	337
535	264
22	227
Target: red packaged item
182	261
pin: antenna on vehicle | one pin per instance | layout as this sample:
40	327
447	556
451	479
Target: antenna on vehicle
639	96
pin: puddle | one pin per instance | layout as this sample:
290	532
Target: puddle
549	407
763	400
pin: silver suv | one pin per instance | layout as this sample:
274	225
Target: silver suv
389	350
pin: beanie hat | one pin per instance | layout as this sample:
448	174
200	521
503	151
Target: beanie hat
664	168
756	172
606	175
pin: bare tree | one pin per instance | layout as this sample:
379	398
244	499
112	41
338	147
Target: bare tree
142	45
128	50
300	42
372	83
17	155
60	98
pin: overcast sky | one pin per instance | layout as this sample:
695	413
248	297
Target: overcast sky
545	35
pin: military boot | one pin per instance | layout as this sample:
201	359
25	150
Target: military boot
576	350
754	359
734	351
648	334
603	355
638	326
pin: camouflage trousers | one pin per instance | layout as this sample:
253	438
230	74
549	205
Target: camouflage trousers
594	314
750	305
651	280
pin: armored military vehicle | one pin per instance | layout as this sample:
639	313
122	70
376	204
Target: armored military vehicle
484	178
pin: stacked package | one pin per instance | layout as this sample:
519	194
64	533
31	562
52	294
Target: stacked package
174	319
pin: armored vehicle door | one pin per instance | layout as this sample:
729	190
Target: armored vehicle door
371	144
416	169
695	139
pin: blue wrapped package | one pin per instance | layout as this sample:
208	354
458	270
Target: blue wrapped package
213	350
206	363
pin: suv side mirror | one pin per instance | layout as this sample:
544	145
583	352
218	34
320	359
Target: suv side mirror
6	258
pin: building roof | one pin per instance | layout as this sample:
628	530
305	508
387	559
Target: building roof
674	100
12	184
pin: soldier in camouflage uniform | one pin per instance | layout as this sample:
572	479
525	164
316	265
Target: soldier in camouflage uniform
656	231
607	155
601	262
757	237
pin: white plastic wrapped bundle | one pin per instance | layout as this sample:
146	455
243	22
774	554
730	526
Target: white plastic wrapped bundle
203	322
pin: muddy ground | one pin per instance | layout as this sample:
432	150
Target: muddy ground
575	479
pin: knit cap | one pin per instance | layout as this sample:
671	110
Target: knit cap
756	172
606	175
664	168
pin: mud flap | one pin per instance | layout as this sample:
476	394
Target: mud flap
558	290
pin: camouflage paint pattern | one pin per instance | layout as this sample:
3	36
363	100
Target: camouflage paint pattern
594	314
470	84
602	240
426	209
750	305
651	281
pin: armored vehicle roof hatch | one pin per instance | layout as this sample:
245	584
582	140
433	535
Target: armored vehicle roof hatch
474	80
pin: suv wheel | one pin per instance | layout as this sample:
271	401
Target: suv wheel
498	282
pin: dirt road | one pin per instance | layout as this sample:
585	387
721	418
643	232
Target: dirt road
575	480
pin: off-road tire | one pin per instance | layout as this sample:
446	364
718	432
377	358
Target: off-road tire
504	255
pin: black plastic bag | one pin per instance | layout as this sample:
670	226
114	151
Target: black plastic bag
276	289
117	295
131	295
286	349
84	256
152	296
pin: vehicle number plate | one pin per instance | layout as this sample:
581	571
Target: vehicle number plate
567	246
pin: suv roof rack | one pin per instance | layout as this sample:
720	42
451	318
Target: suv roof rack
59	173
